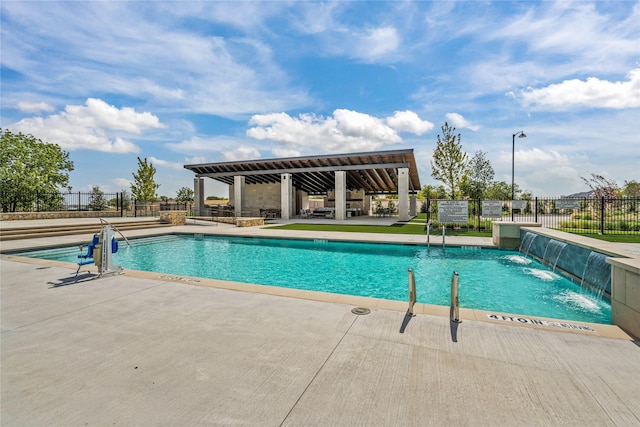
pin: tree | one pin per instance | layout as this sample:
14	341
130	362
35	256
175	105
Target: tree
449	161
144	186
431	192
31	170
500	190
97	201
477	177
126	200
602	187
631	188
185	194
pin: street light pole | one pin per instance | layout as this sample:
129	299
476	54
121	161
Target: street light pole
513	157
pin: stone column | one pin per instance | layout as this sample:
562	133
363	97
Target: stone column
403	194
238	194
341	195
413	205
286	199
198	196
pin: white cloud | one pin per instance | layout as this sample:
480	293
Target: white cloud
95	126
166	164
34	107
592	93
122	183
345	131
285	152
198	144
194	160
374	44
242	153
377	42
459	121
533	159
408	121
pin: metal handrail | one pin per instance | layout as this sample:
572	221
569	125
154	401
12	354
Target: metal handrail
455	308
104	221
412	292
428	226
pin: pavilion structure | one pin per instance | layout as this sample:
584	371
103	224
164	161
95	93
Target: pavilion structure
283	185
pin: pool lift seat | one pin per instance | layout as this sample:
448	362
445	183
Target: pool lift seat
86	259
100	254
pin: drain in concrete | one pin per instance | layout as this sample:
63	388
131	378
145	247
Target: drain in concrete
360	311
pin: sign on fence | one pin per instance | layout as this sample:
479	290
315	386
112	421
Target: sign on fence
518	204
453	211
567	204
492	208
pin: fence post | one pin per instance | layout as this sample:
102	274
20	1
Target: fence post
479	213
535	207
602	215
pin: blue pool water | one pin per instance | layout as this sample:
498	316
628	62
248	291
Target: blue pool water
489	279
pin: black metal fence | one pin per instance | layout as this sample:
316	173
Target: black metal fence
13	201
119	202
576	215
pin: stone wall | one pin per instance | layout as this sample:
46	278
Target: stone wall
258	196
15	216
241	222
174	217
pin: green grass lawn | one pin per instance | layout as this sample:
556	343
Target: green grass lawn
413	227
615	238
416	226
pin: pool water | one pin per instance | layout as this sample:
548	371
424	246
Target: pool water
489	279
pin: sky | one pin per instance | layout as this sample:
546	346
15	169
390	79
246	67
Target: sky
196	82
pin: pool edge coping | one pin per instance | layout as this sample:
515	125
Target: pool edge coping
600	330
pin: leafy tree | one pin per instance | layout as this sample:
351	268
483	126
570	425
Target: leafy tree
477	177
431	192
31	169
631	188
97	201
185	194
500	190
144	186
126	200
225	198
449	161
601	186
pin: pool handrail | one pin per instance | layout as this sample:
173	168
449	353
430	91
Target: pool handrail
104	221
455	307
412	292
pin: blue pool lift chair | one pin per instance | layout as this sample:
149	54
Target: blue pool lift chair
86	259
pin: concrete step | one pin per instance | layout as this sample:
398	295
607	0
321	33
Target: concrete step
18	233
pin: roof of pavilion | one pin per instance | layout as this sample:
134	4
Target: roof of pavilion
376	172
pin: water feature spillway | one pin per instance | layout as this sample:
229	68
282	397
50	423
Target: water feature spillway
596	273
586	265
525	242
552	253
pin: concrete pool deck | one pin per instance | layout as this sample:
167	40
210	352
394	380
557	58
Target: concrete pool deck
137	349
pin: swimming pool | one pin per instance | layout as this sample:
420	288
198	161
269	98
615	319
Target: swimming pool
490	279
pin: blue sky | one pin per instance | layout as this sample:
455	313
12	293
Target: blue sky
193	82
